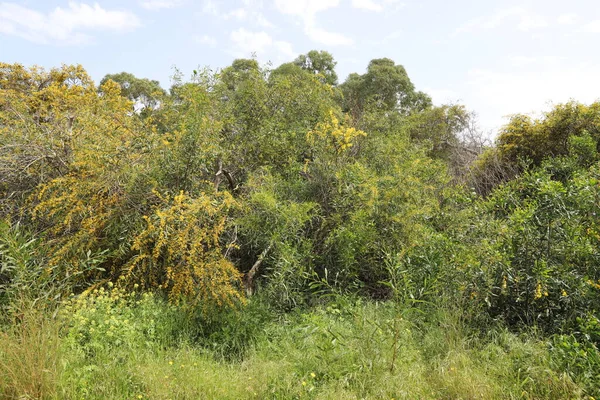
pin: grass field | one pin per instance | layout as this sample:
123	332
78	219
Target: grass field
115	346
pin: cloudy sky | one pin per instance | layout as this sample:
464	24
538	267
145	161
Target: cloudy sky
496	57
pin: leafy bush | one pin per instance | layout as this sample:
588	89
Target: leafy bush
180	251
578	354
105	328
539	249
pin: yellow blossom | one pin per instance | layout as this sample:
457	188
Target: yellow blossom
538	292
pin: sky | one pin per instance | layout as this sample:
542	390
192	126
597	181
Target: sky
496	57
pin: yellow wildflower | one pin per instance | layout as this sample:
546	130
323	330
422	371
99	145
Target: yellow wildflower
538	292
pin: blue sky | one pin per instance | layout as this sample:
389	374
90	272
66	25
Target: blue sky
496	57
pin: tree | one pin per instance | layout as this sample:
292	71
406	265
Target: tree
46	117
144	93
568	130
385	87
320	63
241	70
535	140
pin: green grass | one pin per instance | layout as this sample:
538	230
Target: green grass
352	350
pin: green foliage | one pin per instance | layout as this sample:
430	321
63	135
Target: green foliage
343	349
111	320
105	329
385	87
231	335
320	63
543	249
278	224
26	277
144	93
570	132
283	184
439	129
578	353
18	268
536	140
48	119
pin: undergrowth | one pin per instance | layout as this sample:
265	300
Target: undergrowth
109	344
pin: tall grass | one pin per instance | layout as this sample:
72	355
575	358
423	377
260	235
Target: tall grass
30	354
342	350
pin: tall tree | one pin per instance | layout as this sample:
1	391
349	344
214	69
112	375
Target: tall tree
320	63
386	87
145	93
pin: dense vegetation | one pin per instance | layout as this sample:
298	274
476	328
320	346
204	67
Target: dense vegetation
272	233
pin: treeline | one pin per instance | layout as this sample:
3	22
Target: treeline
288	183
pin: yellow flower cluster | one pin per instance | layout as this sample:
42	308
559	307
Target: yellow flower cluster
340	136
594	284
179	250
76	138
109	318
540	292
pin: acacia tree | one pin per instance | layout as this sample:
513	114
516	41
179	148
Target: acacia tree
46	120
93	187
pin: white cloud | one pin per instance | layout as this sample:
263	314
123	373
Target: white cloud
378	5
247	42
529	22
525	21
327	38
369	5
250	12
260	20
505	93
522	61
306	11
160	4
210	7
541	61
238	13
592	27
442	96
63	26
206	40
394	35
567	19
284	48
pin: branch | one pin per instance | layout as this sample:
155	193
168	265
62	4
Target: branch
230	246
249	277
227	174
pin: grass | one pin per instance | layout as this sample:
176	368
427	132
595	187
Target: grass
335	351
30	352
